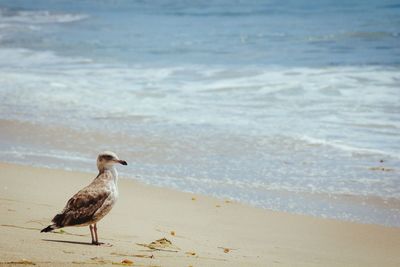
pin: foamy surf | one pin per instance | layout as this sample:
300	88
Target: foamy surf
349	148
11	16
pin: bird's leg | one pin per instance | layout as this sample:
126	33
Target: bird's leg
91	233
96	238
95	234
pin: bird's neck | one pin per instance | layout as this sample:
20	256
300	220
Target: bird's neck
113	172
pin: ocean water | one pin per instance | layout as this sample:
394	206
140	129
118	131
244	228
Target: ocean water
285	105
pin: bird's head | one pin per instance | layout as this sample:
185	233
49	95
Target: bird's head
107	159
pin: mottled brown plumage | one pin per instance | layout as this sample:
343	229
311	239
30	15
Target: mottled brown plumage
81	208
94	201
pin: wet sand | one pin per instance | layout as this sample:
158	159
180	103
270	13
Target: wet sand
204	231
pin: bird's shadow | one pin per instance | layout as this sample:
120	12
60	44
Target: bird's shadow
69	242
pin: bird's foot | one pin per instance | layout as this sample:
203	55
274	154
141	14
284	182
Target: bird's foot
101	244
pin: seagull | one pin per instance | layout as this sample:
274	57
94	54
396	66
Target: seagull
94	201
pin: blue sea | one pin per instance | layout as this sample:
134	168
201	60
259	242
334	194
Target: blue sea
285	105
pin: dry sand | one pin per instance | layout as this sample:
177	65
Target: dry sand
203	227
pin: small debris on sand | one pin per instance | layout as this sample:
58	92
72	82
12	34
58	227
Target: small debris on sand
127	262
23	262
218	206
161	244
133	255
193	198
191	253
172	233
227	250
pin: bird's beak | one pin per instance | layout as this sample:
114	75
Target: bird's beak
123	162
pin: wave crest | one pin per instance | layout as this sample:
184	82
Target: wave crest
38	17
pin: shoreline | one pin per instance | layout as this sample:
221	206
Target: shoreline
346	199
201	227
285	185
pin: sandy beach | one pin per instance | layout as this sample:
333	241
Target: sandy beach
204	231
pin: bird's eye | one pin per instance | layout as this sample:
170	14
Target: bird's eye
107	157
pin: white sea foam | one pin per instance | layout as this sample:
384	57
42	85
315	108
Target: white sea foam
21	153
33	60
349	148
38	17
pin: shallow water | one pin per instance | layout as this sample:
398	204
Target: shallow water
287	106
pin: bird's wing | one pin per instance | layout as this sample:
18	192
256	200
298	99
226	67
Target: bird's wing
81	207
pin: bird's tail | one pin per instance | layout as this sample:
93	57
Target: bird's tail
49	228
